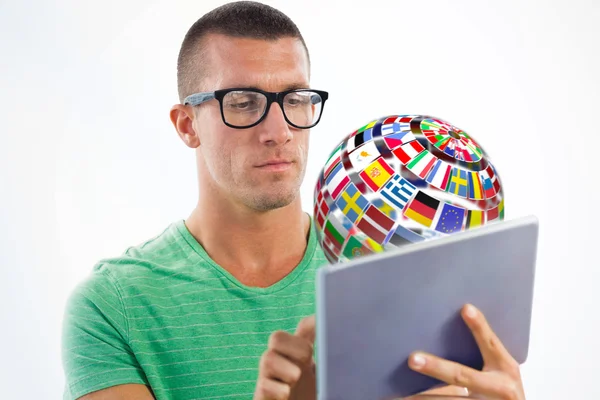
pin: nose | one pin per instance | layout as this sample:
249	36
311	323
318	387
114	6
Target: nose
274	128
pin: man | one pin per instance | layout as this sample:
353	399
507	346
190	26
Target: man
219	306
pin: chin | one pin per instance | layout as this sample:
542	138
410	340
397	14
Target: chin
274	201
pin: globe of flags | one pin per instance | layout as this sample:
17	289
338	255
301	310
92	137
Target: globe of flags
403	179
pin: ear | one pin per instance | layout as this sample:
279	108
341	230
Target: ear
182	118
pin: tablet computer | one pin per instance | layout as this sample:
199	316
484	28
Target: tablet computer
374	311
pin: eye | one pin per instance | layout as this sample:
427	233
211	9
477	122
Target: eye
243	101
297	99
242	105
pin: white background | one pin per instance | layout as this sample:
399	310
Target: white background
90	164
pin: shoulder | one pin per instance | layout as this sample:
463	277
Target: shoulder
164	255
159	255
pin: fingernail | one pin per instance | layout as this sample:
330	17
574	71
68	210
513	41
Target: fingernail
418	360
471	312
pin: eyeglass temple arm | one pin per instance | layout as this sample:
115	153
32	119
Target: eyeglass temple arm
198	98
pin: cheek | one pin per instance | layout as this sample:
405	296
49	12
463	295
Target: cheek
303	144
216	151
228	158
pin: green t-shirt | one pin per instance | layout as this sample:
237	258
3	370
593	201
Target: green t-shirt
165	315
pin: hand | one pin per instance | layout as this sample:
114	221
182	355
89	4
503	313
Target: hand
287	368
500	378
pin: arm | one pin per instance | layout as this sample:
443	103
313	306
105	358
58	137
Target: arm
97	358
121	392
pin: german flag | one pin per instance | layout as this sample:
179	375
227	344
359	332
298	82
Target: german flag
422	209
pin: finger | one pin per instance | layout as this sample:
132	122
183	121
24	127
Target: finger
492	350
494	384
268	389
296	348
274	366
434	397
447	390
306	329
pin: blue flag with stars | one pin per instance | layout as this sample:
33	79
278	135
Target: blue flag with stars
451	219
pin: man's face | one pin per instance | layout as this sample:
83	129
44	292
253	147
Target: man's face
261	167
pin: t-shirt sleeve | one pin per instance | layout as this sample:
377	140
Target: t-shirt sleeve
95	350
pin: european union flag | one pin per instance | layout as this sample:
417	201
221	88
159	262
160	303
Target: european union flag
451	219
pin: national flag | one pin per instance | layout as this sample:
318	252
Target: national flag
474	153
408	151
333	161
422	208
377	174
449	148
367	126
434	124
458	182
321	209
355	248
412	178
373	245
472	145
390	120
375	224
395	127
403	122
488	186
475	189
495	181
403	236
351	202
451	219
337	181
462	153
330	249
494	213
359	139
335	231
422	164
385	208
490	183
440	175
331	232
398	191
398	139
475	218
363	156
439	141
443	143
406	118
348	226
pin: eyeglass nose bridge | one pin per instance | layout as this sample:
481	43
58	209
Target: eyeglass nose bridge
274	97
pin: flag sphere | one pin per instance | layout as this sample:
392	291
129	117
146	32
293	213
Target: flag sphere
403	179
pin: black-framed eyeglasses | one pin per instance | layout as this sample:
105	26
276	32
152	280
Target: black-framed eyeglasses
246	107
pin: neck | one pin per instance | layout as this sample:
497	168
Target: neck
257	248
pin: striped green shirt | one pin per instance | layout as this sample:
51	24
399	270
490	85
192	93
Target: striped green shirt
165	315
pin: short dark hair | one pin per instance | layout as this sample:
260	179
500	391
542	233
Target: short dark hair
242	19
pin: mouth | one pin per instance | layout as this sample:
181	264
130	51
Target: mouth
275	165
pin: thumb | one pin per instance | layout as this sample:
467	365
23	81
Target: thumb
306	329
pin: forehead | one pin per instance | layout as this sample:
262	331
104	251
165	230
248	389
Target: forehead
266	64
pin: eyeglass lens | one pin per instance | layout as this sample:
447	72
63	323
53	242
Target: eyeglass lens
244	107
